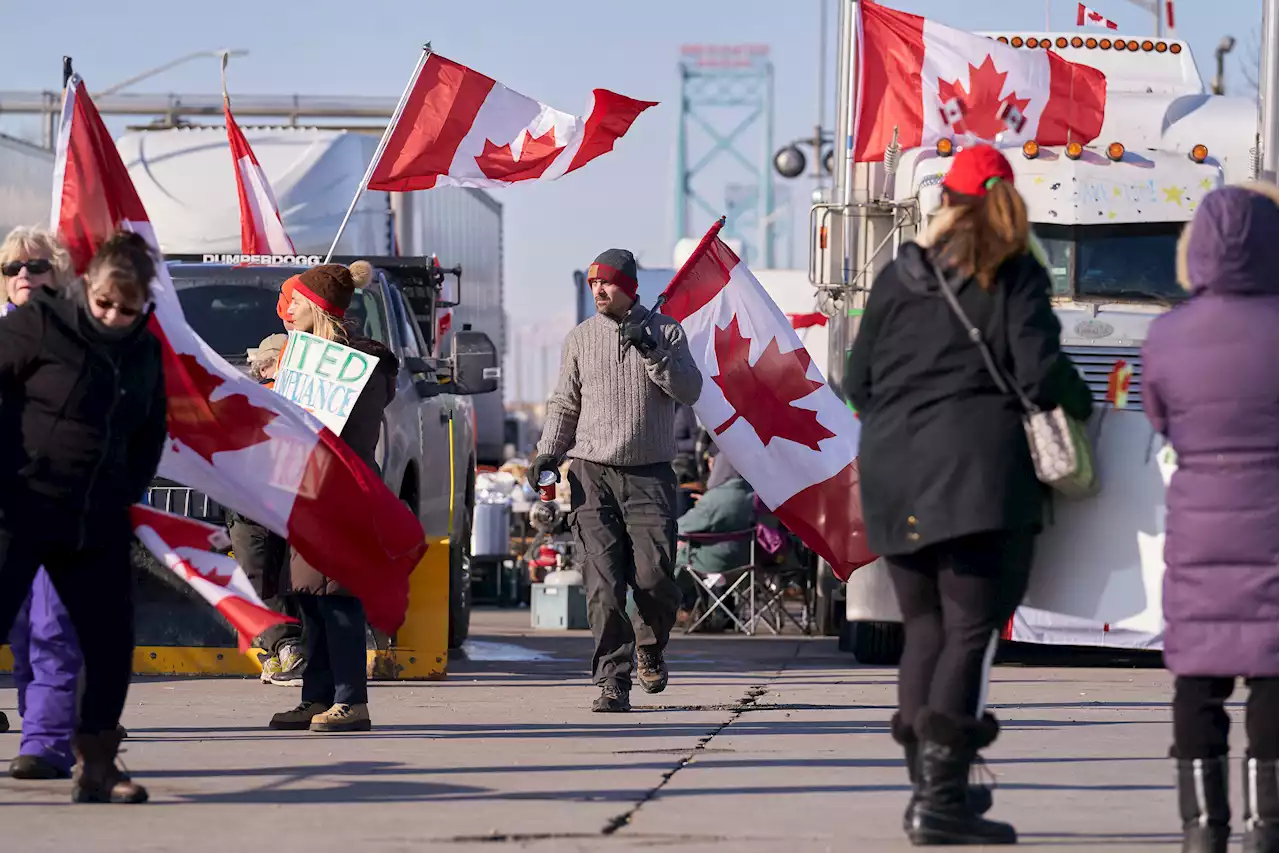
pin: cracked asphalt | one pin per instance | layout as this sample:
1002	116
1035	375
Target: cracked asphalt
759	744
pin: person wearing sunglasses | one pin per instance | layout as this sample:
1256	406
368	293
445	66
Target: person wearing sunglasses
82	428
46	651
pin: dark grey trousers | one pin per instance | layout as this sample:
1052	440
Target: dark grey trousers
624	523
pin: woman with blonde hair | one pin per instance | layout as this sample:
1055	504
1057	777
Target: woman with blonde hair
1209	387
46	652
334	686
949	491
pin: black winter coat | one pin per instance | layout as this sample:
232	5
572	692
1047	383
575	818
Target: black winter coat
360	432
943	453
82	421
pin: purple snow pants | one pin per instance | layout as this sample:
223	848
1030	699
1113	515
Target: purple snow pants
46	668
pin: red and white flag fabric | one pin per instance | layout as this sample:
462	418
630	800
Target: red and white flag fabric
911	67
243	445
457	127
261	228
767	405
192	550
1086	17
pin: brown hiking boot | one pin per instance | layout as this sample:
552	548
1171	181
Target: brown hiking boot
299	719
651	669
343	718
96	778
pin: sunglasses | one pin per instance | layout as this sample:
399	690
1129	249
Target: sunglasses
35	267
105	305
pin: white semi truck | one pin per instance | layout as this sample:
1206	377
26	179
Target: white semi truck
1107	216
26	176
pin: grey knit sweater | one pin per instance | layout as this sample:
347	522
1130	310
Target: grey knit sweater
619	413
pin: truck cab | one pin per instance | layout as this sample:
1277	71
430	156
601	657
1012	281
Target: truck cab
1106	217
426	451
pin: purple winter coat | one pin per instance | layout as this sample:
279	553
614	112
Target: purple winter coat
1209	386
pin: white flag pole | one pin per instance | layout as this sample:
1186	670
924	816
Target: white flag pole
382	145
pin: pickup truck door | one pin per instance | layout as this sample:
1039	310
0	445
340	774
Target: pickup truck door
433	414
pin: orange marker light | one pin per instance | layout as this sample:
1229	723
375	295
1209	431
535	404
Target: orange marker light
1091	43
1199	153
1076	41
1115	152
1175	48
1033	42
1074	150
1003	39
1133	44
1030	149
1148	45
945	147
1105	44
1061	42
1017	41
1161	47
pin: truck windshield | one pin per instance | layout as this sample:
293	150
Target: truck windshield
233	309
1130	262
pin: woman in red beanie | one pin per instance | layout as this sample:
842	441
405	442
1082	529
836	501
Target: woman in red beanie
949	492
335	694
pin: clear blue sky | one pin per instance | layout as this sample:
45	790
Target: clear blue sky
555	52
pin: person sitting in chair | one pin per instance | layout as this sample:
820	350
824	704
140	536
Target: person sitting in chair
728	505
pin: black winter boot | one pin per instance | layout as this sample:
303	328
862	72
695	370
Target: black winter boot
1261	804
1204	805
980	796
943	815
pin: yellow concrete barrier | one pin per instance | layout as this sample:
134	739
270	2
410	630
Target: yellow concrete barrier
420	649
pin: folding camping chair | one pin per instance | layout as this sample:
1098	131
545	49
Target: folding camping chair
738	578
779	565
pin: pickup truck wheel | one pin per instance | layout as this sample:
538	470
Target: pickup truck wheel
460	583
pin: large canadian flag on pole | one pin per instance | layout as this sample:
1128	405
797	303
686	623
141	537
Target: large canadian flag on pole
767	406
261	229
235	440
192	551
457	127
931	81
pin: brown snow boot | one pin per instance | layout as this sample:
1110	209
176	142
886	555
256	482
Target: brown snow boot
96	778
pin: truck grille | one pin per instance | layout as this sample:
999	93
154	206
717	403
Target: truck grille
181	500
1095	365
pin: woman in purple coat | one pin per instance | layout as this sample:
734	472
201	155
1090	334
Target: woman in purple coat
46	653
1210	387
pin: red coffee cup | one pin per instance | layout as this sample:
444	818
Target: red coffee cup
547	486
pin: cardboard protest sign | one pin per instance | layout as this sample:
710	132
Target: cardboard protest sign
323	377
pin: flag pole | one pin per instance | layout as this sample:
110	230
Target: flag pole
712	233
382	146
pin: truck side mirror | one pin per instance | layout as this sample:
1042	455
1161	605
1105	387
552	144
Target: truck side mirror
475	364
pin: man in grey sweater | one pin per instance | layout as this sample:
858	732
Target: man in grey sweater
623	373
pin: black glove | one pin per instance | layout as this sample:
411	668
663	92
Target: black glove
540	464
638	335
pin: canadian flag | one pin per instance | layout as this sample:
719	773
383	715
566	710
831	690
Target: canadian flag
912	67
1086	17
457	127
245	446
261	229
191	549
767	405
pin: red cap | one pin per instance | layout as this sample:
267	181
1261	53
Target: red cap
974	169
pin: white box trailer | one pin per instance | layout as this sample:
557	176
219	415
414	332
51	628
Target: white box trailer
186	181
26	182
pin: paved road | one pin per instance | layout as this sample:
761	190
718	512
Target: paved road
759	744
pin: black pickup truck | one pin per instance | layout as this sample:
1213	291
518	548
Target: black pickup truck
234	307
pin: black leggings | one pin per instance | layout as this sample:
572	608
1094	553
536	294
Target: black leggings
955	598
95	584
1201	725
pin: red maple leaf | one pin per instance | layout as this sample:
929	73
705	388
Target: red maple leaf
208	427
982	102
212	575
536	154
763	392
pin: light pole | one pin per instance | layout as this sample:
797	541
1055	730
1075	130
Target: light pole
138	78
1220	52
